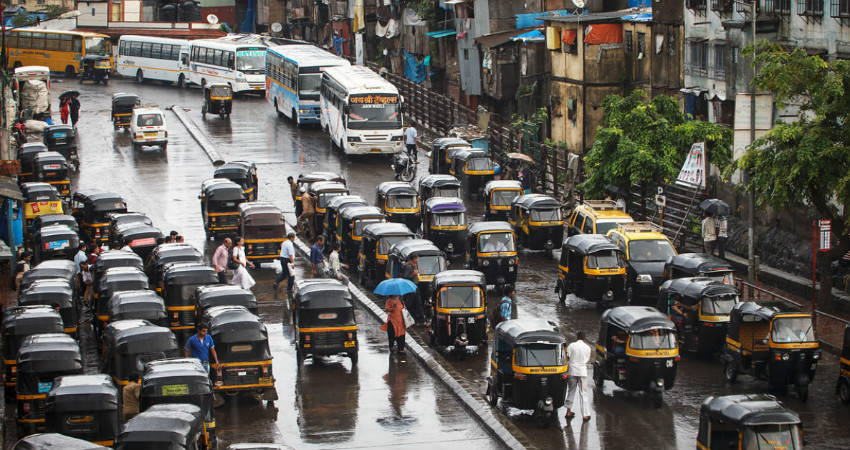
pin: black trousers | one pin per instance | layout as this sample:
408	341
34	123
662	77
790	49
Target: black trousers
222	276
284	274
413	303
392	339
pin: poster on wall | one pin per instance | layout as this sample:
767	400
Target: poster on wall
358	44
693	171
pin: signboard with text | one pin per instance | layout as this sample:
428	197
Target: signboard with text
824	235
693	171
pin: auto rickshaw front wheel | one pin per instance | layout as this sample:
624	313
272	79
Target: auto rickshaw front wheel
730	371
490	393
844	391
354	358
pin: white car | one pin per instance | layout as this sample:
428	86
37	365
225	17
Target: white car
147	127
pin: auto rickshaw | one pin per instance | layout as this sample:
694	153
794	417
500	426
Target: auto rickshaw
130	344
637	350
220	201
53	269
375	245
335	205
843	386
538	221
112	258
474	169
305	181
47	220
263	227
52	168
223	295
91	210
19	322
400	202
243	173
95	68
84	407
498	196
57	294
179	283
139	238
458	310
591	267
528	367
700	309
121	220
137	305
50	441
491	249
687	265
438	186
114	280
26	153
218	99
178	426
444	223
122	109
748	421
165	254
769	340
323	318
180	380
242	347
442	150
431	261
39	199
42	358
55	242
323	192
62	138
349	232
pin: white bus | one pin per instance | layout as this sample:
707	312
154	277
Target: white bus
361	111
293	79
153	58
238	60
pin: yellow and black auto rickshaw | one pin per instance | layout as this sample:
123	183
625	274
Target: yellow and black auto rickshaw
243	173
165	254
431	261
324	320
57	294
498	196
220	200
442	151
748	421
305	181
121	220
39	199
843	386
122	109
178	426
350	225
688	265
210	296
377	239
263	227
62	138
218	99
114	280
26	154
143	304
19	322
769	340
92	209
130	344
85	407
637	350
538	221
444	223
591	267
323	192
438	185
528	367
178	287
332	210
491	250
458	310
474	168
95	68
47	220
52	168
400	202
140	238
700	308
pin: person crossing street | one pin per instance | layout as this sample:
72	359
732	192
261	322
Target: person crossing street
578	355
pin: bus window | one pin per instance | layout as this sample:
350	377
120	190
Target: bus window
156	51
78	45
38	41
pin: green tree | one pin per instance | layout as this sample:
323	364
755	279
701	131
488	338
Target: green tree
805	163
646	141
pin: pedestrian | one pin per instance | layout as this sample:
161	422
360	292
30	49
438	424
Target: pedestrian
507	306
317	260
74	106
722	236
287	257
130	395
578	355
394	325
413	301
410	135
173	236
64	110
21	268
239	263
307	214
293	188
709	233
525	180
621	203
85	282
219	260
336	271
179	239
201	346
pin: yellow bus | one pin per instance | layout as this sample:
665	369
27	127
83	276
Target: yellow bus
61	51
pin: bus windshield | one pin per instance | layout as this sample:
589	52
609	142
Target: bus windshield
374	112
309	84
98	46
251	61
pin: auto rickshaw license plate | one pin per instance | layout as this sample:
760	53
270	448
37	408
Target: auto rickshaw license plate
470	320
350	343
510	269
242	373
669	363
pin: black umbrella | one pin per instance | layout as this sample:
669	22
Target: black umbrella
617	190
68	94
715	207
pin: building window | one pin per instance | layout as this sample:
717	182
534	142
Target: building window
627	38
718	68
839	9
810	8
782	7
697	58
641	44
722	7
696	5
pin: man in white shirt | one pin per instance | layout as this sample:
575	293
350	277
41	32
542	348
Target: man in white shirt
578	354
336	271
287	256
410	135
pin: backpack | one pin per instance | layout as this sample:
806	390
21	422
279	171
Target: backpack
496	316
231	264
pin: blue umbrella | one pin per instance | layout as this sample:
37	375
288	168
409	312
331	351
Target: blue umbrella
395	286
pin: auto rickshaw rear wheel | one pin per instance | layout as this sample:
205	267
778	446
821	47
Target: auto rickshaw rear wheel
730	371
490	393
844	391
354	358
598	377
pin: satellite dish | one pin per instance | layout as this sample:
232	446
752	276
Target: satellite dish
276	27
212	19
579	3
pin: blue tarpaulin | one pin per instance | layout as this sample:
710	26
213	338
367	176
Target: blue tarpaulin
439	34
338	41
533	19
531	36
248	25
415	71
640	3
646	17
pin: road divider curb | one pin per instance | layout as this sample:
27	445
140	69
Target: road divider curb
474	405
196	133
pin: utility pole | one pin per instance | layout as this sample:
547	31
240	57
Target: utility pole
751	197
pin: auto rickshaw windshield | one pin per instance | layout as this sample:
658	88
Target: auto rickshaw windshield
220	91
460	297
496	242
386	242
793	329
448	219
477	164
503	197
723	277
545	215
609	259
719	306
448	191
360	224
771	437
98	46
430	265
401	201
149	120
540	355
326	198
653	340
222	206
650	250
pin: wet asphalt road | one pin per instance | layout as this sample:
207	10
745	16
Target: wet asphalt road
383	403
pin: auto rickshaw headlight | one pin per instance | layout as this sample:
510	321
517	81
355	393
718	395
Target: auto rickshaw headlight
486	262
450	247
644	279
548	401
817	355
783	356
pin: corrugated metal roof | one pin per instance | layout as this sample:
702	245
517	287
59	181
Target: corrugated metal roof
497	39
607	16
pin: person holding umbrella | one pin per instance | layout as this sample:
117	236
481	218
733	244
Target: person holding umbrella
709	233
397	316
714	226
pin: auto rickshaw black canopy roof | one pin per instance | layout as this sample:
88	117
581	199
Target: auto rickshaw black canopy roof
341	200
637	319
438	180
444	204
529	331
471	152
170	428
49	352
261	214
419	247
53	268
135	301
378	230
119	219
225	294
396	188
238	169
480	227
138	230
460	277
54	441
693	290
749	409
37	191
175	251
763	310
530	201
221	190
50	158
444	142
176	370
71	393
58	232
587	243
139	336
695	263
51	290
125	99
60	127
117	258
324	295
502	184
123	274
357	212
31	319
327	186
190	273
101	201
57	219
230	324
